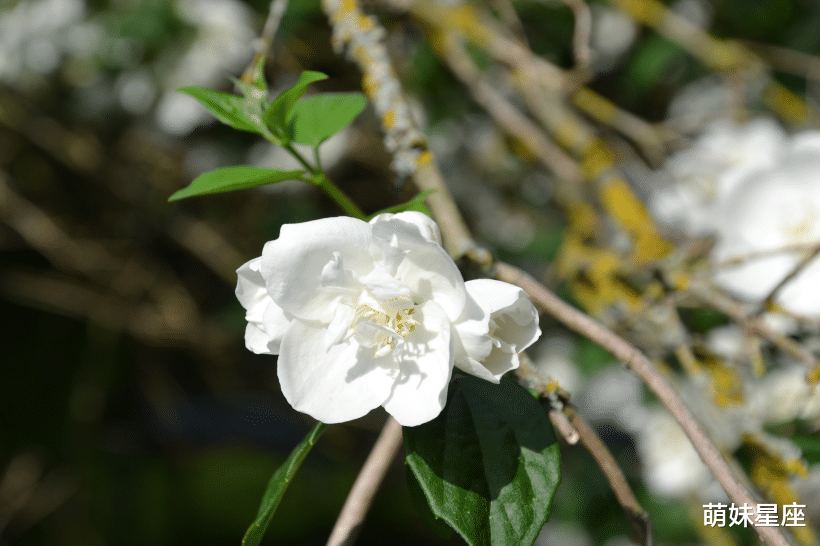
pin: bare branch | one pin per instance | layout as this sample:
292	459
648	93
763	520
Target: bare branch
264	43
637	362
358	502
362	38
637	516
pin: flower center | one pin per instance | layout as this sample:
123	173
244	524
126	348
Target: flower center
384	326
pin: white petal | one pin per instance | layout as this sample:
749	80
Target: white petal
292	265
250	289
382	285
370	334
427	269
275	322
478	369
339	326
513	326
387	253
515	316
472	339
335	274
425	225
499	362
256	340
333	386
425	364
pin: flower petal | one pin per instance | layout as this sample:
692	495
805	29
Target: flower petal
513	326
292	265
425	362
472	340
275	322
428	271
425	225
333	386
250	289
339	326
515	317
382	285
256	339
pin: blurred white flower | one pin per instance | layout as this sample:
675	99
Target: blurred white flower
784	395
727	342
758	191
223	45
376	314
707	174
555	360
672	467
613	33
32	36
614	396
774	208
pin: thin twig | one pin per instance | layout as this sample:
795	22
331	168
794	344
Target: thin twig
581	32
638	363
761	254
738	312
505	114
506	11
264	43
638	518
362	38
796	270
349	522
788	61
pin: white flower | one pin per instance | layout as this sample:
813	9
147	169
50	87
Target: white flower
758	191
771	209
376	314
671	466
708	173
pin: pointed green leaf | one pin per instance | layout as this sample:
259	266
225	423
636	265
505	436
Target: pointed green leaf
488	465
257	90
416	204
419	502
279	110
240	177
238	112
317	118
277	485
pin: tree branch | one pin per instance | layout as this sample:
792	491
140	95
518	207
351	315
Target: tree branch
358	502
638	363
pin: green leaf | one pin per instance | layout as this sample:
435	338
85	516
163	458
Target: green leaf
315	119
257	90
238	112
278	111
419	502
278	484
240	177
488	464
416	204
810	446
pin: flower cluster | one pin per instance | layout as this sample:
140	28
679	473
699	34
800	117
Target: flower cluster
377	314
758	191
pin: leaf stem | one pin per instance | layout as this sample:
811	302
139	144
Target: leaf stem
295	153
321	181
341	198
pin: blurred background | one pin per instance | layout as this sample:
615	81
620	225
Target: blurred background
130	410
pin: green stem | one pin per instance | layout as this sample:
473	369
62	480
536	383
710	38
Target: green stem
340	197
311	169
320	180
